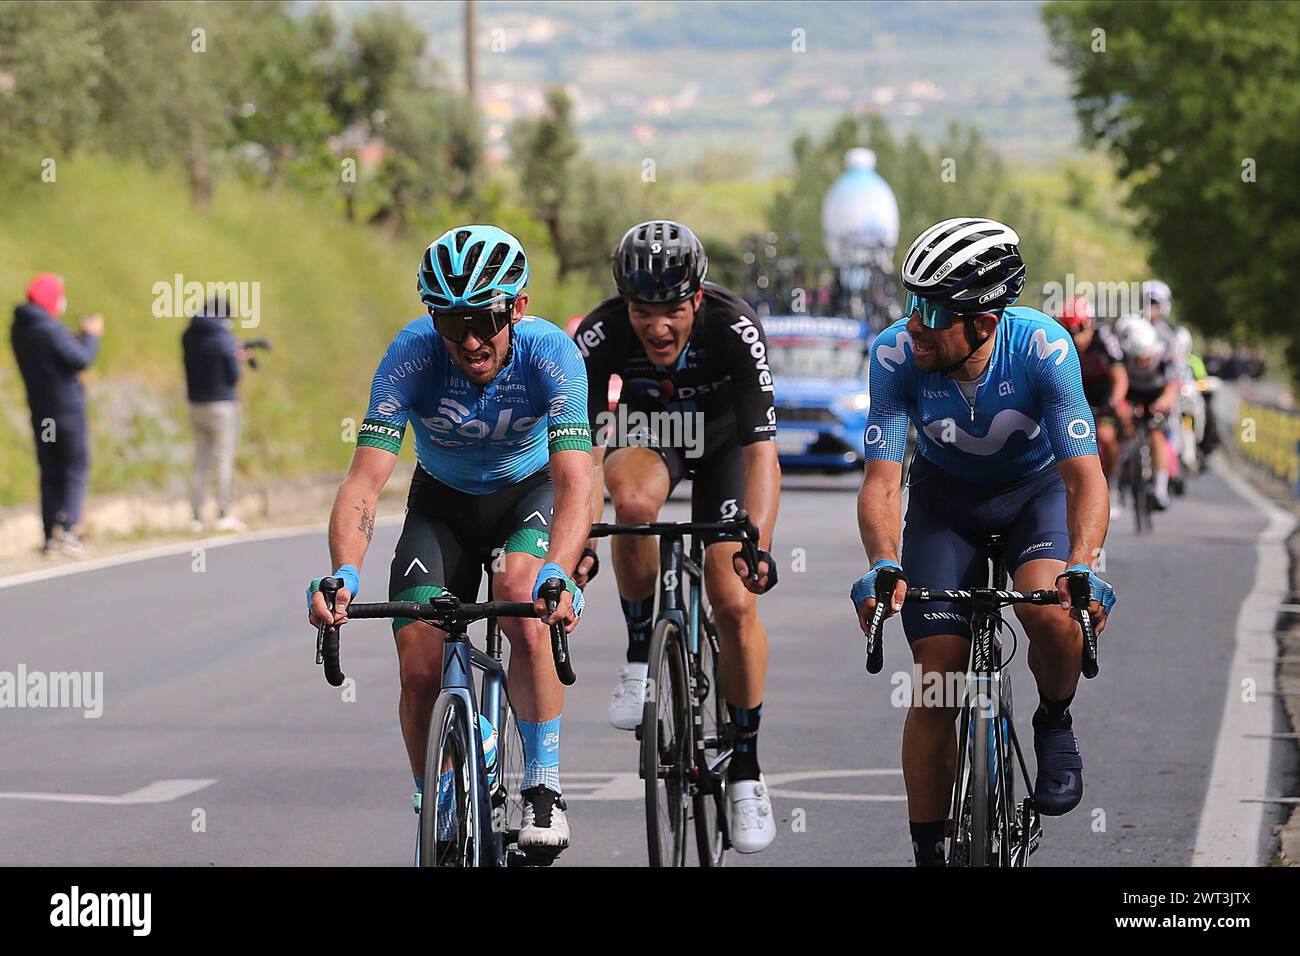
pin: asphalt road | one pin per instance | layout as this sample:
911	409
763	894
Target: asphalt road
220	743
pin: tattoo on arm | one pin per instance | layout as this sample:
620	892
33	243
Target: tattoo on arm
366	524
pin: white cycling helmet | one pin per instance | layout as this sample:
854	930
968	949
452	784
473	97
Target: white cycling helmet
968	265
1153	290
1124	325
1142	340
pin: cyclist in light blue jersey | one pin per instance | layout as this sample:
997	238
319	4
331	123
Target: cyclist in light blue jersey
1006	445
497	402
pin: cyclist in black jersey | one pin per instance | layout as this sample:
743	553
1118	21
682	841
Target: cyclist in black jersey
697	401
1105	381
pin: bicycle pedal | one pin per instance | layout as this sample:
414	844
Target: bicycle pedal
540	856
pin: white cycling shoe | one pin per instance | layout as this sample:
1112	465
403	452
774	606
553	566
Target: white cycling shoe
628	699
753	826
546	825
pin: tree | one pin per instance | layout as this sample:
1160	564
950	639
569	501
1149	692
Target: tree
959	176
51	62
1200	105
546	150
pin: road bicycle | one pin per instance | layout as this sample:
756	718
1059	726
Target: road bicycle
685	730
988	826
473	813
1136	467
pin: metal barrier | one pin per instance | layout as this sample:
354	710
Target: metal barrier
1269	436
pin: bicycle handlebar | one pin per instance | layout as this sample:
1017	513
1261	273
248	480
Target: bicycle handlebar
447	609
1080	598
740	528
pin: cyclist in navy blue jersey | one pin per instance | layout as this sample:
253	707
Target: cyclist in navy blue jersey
496	400
1006	445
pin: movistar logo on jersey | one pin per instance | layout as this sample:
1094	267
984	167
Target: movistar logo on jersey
1038	342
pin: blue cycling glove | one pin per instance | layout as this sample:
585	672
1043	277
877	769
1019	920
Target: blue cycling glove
351	581
1100	590
553	570
865	586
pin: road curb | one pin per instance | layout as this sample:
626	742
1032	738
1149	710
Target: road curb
1287	635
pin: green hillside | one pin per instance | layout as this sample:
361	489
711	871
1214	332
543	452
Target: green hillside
332	295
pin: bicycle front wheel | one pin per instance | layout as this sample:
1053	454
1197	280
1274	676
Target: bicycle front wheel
666	748
710	800
507	798
448	830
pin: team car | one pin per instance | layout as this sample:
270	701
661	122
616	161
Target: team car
819	366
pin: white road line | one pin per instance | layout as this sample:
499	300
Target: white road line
628	785
169	550
1230	828
160	791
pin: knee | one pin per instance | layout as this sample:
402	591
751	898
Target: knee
635	505
516	586
735	612
421	674
1050	625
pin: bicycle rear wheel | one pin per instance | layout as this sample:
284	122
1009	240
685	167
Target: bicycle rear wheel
710	800
666	748
448	830
507	800
1142	491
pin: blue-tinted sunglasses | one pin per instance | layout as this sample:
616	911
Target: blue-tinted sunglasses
932	316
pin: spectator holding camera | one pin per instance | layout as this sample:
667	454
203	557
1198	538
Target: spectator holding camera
50	357
212	368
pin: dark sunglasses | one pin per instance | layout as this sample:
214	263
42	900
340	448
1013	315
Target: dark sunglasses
455	326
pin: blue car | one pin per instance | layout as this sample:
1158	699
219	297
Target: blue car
819	365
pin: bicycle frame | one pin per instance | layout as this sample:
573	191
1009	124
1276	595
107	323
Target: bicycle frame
987	723
673	561
459	658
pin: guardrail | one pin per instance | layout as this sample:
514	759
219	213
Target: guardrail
1269	436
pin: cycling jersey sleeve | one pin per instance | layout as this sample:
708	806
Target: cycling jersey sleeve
1111	344
562	375
390	405
603	357
752	392
1066	416
886	436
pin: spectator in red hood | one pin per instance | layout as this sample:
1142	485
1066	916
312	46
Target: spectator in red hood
50	357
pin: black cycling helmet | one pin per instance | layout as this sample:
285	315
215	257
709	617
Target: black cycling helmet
659	261
968	265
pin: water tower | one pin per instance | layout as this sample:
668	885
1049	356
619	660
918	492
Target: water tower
860	230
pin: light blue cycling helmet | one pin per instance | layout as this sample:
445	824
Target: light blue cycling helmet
472	267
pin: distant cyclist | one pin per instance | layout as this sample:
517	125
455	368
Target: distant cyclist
1006	445
1105	381
686	346
1153	383
497	403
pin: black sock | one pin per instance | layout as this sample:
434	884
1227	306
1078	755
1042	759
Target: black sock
1053	712
640	622
744	735
927	842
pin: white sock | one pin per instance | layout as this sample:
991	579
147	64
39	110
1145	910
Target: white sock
1162	484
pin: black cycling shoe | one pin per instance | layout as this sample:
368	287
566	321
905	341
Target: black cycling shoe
1059	785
